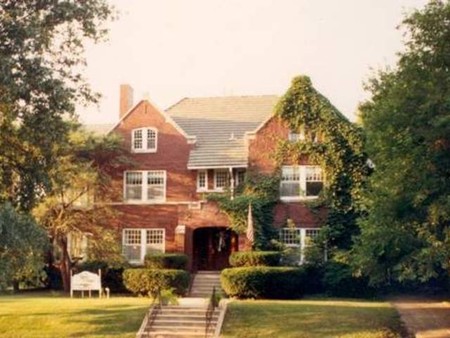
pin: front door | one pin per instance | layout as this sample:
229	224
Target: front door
212	247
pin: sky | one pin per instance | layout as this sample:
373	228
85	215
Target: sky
171	49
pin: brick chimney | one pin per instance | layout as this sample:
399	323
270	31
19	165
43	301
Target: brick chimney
126	99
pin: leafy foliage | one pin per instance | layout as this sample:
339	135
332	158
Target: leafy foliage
146	282
339	151
406	234
22	244
262	193
41	56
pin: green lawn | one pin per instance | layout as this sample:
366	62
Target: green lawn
311	318
53	315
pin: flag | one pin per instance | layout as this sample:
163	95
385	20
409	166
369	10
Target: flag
250	233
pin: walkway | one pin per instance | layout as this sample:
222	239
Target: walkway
426	318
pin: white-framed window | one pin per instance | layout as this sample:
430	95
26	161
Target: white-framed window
145	186
144	140
136	243
300	182
202	180
221	179
295	136
77	245
298	239
302	135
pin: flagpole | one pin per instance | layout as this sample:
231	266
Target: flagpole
250	233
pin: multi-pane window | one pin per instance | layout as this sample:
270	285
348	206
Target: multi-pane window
221	179
145	186
144	140
295	136
298	239
136	243
77	245
202	180
300	182
291	236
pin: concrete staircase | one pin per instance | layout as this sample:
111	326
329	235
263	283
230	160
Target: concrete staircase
203	284
181	321
188	319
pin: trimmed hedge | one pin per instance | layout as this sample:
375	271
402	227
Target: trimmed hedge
263	282
146	281
166	261
255	258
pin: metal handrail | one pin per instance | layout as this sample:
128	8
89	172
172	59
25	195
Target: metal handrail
156	307
212	304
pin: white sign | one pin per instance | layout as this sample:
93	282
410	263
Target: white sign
86	281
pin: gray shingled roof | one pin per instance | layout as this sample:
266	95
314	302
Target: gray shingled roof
219	125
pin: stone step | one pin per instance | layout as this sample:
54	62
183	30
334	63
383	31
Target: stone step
180	328
181	323
170	334
188	317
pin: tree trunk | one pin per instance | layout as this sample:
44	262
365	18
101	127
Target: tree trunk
15	286
65	266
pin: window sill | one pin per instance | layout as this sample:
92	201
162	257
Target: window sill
135	151
144	202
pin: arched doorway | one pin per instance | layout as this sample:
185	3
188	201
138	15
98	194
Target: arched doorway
212	247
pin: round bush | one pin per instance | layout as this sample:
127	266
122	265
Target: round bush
146	281
255	258
263	282
166	261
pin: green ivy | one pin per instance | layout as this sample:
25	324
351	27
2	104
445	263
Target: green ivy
262	193
340	153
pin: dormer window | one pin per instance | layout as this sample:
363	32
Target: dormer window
302	135
144	140
295	136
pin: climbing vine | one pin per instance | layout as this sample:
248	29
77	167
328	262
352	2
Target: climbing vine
262	193
335	144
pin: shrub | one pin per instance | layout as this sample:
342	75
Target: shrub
339	281
111	275
166	261
255	258
146	281
263	282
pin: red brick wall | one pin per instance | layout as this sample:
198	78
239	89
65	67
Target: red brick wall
172	153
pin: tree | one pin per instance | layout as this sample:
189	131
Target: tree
406	234
78	203
41	55
22	245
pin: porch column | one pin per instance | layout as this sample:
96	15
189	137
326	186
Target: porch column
231	182
180	232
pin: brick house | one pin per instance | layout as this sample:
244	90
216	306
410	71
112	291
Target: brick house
198	146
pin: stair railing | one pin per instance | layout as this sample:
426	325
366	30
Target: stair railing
155	308
212	304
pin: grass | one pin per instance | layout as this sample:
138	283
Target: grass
311	318
53	315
